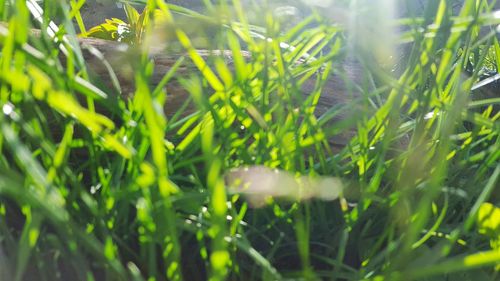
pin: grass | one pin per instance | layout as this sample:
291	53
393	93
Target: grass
127	193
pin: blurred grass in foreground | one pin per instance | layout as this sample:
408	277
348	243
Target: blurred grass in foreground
133	195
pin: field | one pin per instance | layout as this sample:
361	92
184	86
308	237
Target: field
329	140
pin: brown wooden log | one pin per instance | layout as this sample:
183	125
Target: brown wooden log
121	58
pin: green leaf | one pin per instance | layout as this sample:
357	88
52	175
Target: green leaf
488	220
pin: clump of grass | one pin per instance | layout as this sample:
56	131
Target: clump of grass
129	194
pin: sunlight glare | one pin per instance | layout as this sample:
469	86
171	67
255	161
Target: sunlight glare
259	183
